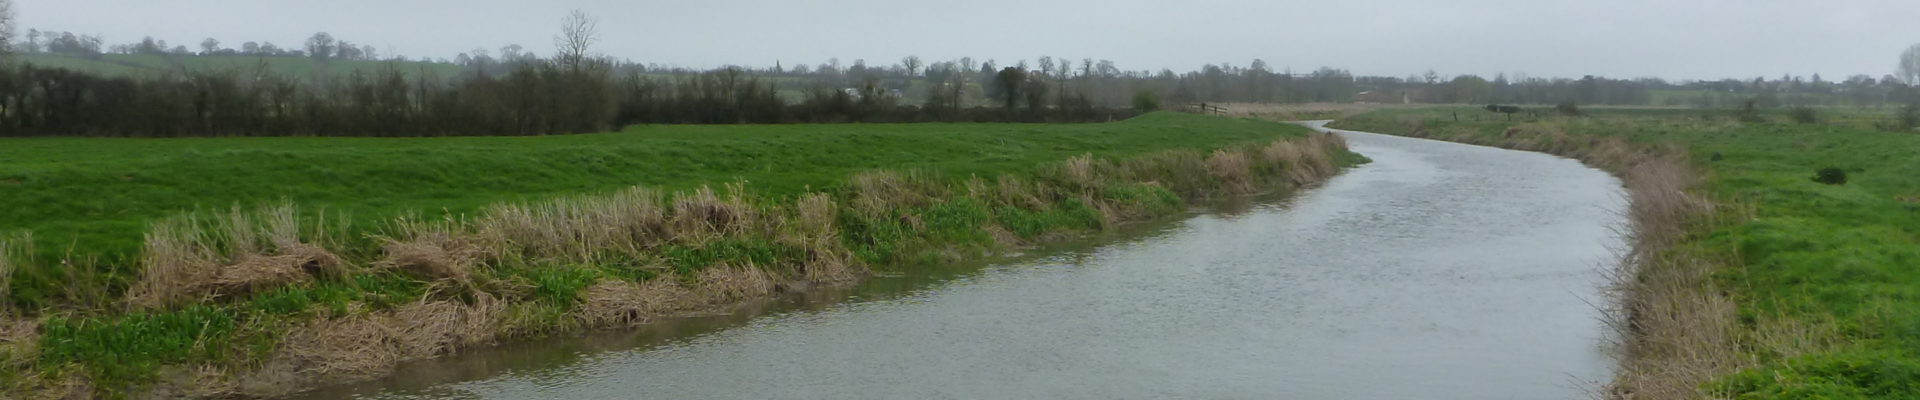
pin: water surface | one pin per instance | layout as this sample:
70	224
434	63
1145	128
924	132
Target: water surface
1439	271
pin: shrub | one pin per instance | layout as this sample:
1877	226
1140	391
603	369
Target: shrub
1146	100
1749	111
1906	120
1830	176
1804	115
1568	108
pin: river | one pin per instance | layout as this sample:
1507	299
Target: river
1439	271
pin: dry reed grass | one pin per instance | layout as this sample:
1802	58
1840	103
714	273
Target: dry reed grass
1082	173
728	283
234	254
1012	190
371	344
1184	172
1231	168
177	261
613	303
813	229
579	228
19	342
816	213
701	216
434	250
1678	330
1290	158
875	193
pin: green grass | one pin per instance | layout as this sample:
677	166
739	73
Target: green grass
137	345
95	196
100	193
1848	255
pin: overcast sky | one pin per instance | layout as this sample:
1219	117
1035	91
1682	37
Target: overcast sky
1674	39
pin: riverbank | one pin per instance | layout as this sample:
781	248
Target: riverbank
1747	277
1380	274
278	295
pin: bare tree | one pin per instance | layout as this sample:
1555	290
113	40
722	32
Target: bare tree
209	46
912	63
1910	65
578	33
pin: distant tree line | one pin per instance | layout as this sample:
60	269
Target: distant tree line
574	90
532	99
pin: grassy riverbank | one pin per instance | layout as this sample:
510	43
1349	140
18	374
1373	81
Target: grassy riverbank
1789	288
211	267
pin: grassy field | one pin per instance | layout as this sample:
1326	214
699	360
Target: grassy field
192	265
1823	276
96	196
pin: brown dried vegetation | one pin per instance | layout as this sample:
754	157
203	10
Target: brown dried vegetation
370	344
1231	168
187	259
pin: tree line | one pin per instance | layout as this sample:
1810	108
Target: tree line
542	98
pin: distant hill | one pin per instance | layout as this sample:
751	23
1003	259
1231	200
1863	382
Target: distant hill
153	64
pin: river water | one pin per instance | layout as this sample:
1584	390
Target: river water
1439	271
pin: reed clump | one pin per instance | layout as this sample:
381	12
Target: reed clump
229	254
1231	169
434	250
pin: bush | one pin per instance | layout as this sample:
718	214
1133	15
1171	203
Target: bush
1749	111
1145	101
1830	176
1568	108
1804	115
1906	120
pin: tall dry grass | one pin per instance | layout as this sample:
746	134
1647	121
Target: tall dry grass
1080	174
439	250
1676	329
1232	169
700	216
615	302
177	262
813	229
731	283
371	344
876	193
581	228
234	253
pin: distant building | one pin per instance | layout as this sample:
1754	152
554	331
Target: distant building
1389	97
1375	96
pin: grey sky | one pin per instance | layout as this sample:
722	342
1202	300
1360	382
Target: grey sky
1675	39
